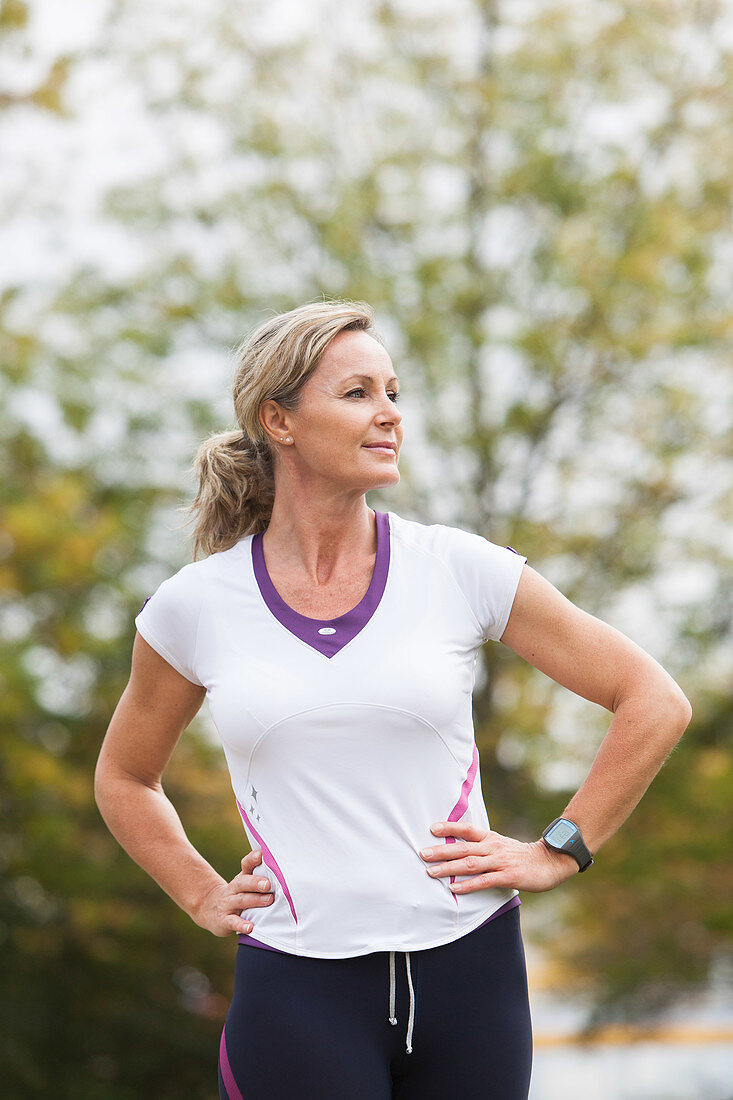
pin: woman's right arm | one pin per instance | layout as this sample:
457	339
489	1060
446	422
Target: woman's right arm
155	708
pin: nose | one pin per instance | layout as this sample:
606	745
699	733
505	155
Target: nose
390	414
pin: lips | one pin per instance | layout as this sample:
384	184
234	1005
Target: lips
381	446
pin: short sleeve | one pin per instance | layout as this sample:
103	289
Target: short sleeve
487	574
168	621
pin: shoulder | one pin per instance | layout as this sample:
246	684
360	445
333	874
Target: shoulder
188	579
187	586
486	573
427	536
445	541
197	573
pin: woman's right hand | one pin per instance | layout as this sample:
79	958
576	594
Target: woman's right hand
219	911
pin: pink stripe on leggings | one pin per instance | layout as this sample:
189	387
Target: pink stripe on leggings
226	1071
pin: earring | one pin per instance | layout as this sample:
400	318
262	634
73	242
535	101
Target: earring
287	440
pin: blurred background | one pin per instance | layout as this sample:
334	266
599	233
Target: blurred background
536	198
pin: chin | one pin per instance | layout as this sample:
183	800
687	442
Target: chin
386	480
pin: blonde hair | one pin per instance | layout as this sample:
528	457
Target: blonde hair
235	469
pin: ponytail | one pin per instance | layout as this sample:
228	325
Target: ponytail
235	494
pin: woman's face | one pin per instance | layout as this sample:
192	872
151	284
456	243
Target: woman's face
349	401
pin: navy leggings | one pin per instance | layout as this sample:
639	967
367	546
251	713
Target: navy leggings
300	1026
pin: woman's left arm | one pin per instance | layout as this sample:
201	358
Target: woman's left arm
650	714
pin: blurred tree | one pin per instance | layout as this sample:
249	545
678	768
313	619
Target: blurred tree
536	199
107	988
659	909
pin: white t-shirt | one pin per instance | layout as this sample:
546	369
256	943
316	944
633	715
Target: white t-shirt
346	739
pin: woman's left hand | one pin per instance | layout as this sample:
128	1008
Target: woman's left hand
495	860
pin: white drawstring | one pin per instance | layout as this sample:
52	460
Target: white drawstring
392	1017
412	1006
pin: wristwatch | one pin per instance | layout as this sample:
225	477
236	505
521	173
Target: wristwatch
563	835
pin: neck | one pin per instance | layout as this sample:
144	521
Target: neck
321	542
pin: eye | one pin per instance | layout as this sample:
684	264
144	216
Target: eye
394	396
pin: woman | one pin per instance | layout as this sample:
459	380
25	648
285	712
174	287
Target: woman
337	646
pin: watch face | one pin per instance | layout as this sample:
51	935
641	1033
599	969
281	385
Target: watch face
561	832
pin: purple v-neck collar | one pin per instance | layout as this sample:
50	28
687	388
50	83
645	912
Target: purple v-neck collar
328	636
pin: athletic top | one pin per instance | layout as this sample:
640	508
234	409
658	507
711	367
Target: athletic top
347	738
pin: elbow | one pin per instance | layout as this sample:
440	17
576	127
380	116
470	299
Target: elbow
665	695
111	781
679	709
99	785
670	707
685	710
105	778
677	702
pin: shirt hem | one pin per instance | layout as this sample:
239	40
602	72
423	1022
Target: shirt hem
386	946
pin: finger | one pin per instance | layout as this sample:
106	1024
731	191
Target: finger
249	900
441	869
458	828
248	888
469	865
483	882
238	924
456	849
251	884
245	879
